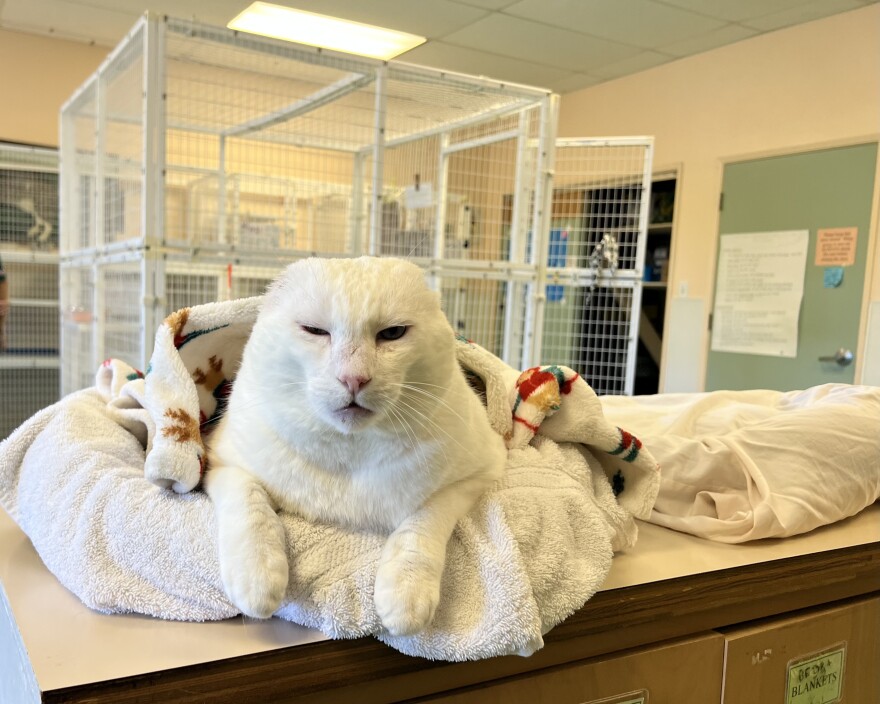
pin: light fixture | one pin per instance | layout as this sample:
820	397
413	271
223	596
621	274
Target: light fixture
327	32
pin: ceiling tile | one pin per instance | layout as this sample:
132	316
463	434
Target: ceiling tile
632	64
538	43
802	13
711	40
641	23
735	10
576	81
550	43
463	60
488	4
433	19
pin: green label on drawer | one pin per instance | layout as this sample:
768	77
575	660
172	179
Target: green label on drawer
816	679
631	698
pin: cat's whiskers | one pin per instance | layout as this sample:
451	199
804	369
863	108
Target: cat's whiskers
418	448
409	387
427	422
394	427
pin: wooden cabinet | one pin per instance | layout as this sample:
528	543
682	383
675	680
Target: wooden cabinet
818	657
639	676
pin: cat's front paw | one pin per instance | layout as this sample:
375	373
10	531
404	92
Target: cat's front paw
256	584
253	562
407	590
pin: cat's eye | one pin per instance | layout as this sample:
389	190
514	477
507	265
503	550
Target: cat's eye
395	332
314	331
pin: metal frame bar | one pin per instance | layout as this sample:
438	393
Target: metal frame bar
448	127
478	142
511	346
534	324
321	97
442	198
99	204
378	162
356	216
153	204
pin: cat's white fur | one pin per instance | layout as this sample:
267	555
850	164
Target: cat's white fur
409	460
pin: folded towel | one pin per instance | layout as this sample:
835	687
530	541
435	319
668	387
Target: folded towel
101	483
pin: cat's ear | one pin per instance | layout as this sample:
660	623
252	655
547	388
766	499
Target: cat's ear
292	278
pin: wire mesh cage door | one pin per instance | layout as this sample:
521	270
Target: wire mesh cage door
595	258
29	332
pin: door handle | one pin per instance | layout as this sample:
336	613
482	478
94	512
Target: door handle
843	357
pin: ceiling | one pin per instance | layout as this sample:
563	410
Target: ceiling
563	45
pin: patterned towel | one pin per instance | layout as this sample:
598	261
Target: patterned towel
527	556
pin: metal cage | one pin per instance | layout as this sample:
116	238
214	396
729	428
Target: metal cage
198	161
29	335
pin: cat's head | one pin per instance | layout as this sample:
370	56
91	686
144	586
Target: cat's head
356	343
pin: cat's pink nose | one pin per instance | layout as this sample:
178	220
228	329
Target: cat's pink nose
353	382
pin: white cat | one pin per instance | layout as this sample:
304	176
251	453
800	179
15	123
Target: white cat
349	408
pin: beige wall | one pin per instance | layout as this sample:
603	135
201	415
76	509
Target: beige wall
37	75
786	91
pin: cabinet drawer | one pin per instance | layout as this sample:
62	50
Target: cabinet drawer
655	674
823	656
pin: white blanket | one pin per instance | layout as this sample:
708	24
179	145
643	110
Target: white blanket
101	481
744	465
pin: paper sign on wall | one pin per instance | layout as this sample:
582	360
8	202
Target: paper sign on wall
836	246
759	291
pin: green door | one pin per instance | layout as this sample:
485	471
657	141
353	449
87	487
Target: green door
820	190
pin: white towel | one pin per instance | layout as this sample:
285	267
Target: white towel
100	481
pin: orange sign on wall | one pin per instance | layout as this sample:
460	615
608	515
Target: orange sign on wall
836	246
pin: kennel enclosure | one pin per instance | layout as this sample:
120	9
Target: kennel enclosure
29	333
198	161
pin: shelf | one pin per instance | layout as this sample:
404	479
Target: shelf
29	361
654	284
33	303
660	228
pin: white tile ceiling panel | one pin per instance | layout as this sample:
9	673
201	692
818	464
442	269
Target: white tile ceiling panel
576	81
551	46
489	4
196	9
802	13
455	58
563	45
632	64
711	40
641	23
736	10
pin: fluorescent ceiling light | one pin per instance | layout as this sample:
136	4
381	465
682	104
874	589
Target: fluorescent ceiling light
323	31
